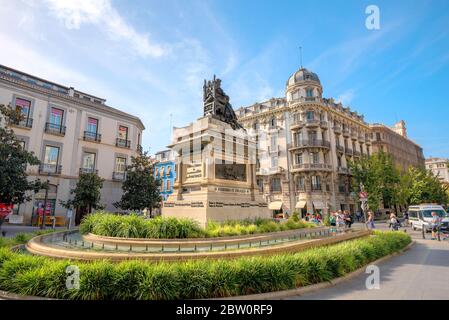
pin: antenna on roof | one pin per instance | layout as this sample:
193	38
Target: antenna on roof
300	56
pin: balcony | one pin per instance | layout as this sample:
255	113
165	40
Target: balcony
269	171
123	143
323	124
345	132
348	151
312	143
361	138
52	169
340	149
91	136
88	170
343	170
311	166
54	128
25	123
354	135
337	129
357	154
297	124
118	176
310	123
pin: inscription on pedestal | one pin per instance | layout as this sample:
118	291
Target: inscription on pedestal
234	172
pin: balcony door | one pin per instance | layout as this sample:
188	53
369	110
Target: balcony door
56	117
92	125
89	162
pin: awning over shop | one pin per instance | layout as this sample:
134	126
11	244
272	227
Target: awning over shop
300	204
275	205
319	204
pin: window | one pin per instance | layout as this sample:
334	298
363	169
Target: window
299	158
273	123
361	147
56	116
353	145
339	161
346	143
120	164
92	125
300	184
256	125
309	115
275	185
378	136
316	183
309	92
312	136
24	106
168	170
314	157
274	142
274	161
123	132
89	161
168	185
51	155
298	138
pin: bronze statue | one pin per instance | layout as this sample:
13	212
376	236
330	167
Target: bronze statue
216	103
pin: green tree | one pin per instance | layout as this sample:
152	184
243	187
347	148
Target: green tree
15	185
87	195
379	177
140	189
422	186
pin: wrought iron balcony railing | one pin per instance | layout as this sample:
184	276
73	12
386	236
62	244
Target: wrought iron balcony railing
54	128
25	123
92	136
123	143
50	168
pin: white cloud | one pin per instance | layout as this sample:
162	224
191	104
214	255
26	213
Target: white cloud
104	16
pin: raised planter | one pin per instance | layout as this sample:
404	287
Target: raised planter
36	246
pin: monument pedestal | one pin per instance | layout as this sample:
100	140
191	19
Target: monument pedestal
216	178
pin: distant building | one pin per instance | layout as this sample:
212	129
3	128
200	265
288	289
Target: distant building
164	170
439	167
305	142
70	132
394	141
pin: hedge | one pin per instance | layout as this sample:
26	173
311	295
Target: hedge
133	226
135	280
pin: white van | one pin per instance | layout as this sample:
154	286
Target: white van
421	216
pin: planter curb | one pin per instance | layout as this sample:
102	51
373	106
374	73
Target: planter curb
314	287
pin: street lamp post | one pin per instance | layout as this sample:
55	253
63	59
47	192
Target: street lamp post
45	205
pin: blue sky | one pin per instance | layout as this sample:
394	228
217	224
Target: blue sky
150	57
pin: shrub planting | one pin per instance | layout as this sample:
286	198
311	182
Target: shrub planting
42	276
133	226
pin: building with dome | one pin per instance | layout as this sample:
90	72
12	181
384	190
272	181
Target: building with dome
304	143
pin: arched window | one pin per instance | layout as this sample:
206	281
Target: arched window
273	122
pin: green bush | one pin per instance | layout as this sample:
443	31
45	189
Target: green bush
134	280
133	226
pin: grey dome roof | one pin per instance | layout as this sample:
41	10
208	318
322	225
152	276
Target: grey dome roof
303	75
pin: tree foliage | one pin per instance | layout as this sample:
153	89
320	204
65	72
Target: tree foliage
379	178
15	187
386	184
140	189
87	193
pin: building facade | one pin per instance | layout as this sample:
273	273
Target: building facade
165	171
305	142
70	132
439	167
394	141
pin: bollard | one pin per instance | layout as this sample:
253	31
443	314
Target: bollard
92	245
423	231
116	247
102	247
211	247
146	248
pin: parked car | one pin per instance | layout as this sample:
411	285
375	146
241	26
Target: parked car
420	217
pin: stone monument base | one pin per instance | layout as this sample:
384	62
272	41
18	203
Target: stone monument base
213	205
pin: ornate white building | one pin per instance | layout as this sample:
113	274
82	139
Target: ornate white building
305	142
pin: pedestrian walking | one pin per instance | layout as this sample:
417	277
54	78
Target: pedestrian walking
406	219
370	220
394	222
435	224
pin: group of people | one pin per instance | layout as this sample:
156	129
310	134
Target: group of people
316	217
341	219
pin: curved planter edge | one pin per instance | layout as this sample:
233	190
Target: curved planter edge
276	295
